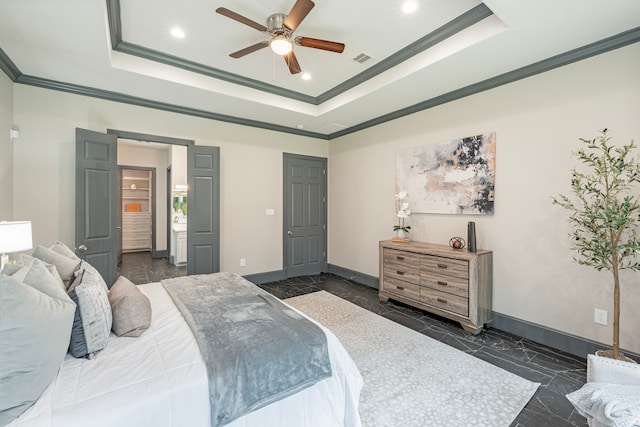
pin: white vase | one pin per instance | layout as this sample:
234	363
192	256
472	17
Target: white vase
401	234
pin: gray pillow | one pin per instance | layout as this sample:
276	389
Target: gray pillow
63	249
66	266
26	260
35	326
131	309
92	321
84	265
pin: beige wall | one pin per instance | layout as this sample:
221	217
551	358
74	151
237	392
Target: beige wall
6	148
537	122
250	163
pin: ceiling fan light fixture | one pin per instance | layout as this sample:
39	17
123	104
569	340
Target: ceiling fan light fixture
409	6
177	32
280	45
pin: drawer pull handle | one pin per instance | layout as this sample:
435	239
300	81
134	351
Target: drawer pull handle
441	283
442	265
400	273
400	258
442	300
400	288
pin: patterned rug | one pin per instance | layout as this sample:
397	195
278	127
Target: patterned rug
411	380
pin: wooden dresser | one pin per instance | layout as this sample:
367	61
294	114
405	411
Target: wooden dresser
453	283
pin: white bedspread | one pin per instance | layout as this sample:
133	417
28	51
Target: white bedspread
159	379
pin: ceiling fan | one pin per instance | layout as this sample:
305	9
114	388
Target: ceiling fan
281	27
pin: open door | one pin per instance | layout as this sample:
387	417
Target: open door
203	213
96	201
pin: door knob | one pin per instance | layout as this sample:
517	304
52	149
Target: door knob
290	233
82	248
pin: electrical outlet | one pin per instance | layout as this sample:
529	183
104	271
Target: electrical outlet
600	316
243	262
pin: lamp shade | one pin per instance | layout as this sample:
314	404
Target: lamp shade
15	236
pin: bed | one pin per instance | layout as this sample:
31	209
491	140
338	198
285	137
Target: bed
160	379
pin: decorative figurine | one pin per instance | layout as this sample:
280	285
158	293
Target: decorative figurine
456	242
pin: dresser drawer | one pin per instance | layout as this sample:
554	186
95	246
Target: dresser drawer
446	266
135	218
445	301
136	235
448	284
399	287
407	259
401	272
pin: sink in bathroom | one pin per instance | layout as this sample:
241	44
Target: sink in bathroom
179	226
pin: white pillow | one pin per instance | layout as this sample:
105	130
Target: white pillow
616	405
35	326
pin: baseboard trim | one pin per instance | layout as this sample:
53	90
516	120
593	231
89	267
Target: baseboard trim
160	254
270	276
562	341
356	276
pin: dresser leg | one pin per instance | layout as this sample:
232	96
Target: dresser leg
471	329
383	298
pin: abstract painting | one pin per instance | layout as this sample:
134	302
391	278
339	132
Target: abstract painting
455	177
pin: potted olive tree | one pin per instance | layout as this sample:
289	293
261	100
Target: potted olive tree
605	212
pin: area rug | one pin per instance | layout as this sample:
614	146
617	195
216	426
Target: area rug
411	380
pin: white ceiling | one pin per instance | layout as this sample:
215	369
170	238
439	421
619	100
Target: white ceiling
70	41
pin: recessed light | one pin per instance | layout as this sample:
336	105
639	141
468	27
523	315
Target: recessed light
410	6
177	32
305	76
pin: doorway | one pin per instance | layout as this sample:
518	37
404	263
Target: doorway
97	200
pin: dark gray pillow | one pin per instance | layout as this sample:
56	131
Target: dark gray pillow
131	309
92	321
35	326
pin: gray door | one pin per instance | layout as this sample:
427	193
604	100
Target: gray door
305	213
96	201
203	218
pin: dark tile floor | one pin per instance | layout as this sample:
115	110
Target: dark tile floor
140	268
559	373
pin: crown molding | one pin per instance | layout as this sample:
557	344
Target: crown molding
462	22
597	48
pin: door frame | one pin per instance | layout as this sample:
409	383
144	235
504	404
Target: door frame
190	144
286	209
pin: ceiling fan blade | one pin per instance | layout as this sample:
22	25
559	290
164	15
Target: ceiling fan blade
292	62
237	17
298	12
320	44
248	50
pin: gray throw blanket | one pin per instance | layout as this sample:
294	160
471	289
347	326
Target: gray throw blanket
257	350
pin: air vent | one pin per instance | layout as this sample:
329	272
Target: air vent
362	58
331	128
